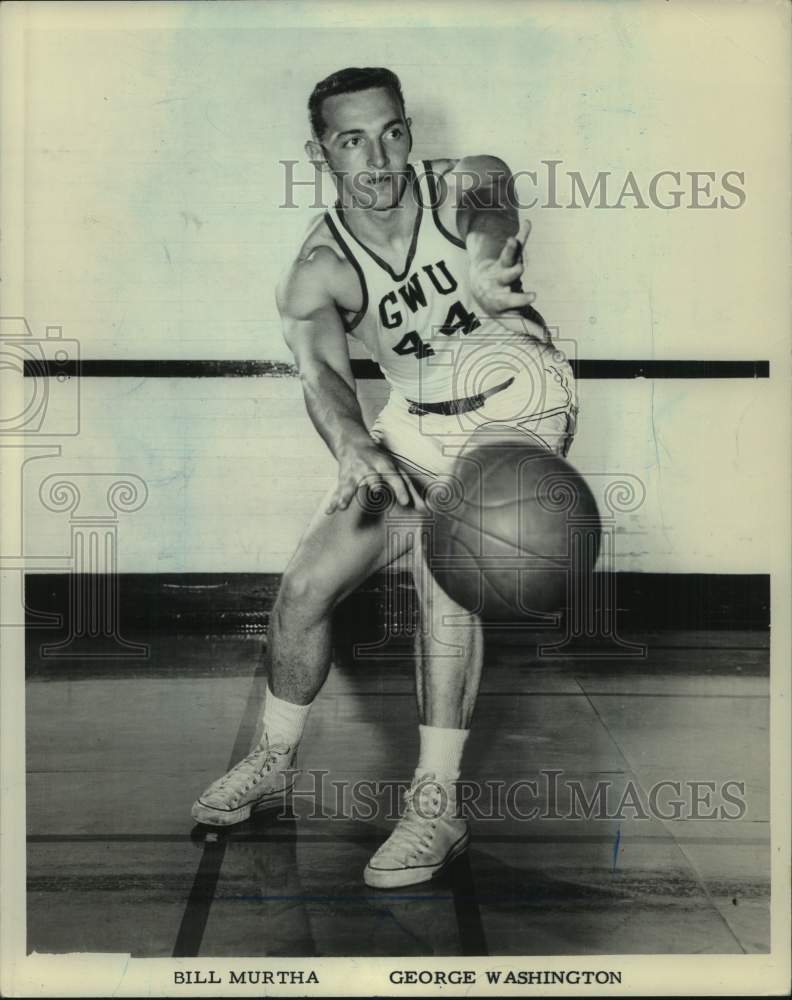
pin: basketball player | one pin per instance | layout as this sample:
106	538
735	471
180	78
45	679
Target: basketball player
422	263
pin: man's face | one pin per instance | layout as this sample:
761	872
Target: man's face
366	144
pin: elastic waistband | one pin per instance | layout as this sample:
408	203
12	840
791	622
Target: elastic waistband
453	406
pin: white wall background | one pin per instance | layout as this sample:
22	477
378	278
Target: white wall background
152	230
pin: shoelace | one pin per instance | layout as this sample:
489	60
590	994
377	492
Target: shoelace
414	831
252	766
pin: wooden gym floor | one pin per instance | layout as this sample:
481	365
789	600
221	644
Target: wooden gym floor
117	752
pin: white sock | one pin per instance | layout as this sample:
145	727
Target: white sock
441	751
284	721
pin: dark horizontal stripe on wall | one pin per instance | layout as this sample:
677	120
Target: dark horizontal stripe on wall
670	369
241	602
595	369
365	369
155	368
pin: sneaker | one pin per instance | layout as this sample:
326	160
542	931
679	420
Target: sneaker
426	839
263	780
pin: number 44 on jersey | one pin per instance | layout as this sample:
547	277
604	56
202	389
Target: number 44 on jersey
458	320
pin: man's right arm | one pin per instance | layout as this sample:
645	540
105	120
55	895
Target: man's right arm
314	332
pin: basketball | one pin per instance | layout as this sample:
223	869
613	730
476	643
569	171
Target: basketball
515	531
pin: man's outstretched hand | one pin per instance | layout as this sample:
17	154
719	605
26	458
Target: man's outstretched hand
491	281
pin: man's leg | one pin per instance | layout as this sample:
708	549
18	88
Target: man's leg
449	654
337	552
449	657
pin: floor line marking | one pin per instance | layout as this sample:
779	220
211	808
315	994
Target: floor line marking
472	939
694	869
199	902
556	694
366	838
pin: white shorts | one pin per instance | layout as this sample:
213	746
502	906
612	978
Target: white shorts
541	402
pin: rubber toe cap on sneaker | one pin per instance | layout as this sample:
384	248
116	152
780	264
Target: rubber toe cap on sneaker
394	878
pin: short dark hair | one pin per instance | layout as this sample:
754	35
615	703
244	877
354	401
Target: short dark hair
349	81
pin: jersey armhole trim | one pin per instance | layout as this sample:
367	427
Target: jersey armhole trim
434	199
349	325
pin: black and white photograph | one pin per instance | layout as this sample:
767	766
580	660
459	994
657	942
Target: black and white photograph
396	513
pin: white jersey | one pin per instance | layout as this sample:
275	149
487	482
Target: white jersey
421	325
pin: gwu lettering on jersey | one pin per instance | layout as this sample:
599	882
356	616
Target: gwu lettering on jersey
412	293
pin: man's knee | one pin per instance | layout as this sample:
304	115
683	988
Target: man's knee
437	606
308	591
